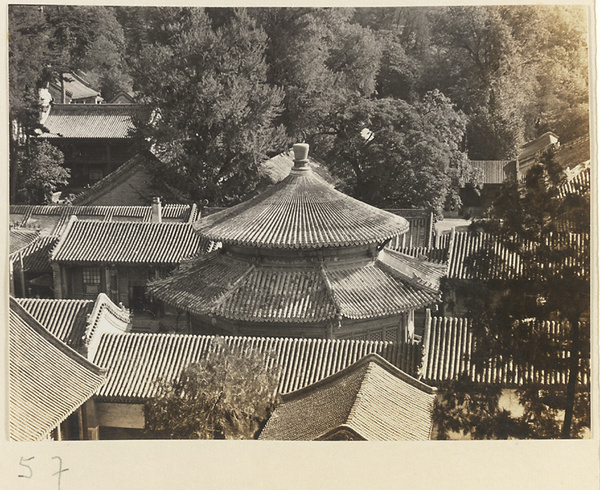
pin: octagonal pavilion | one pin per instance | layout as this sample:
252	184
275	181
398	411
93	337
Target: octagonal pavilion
302	260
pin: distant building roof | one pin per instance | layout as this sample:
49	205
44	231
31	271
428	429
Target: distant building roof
125	242
371	398
578	180
52	219
301	212
21	238
481	256
90	121
120	176
134	361
541	143
122	98
449	351
238	290
47	379
494	171
76	86
76	322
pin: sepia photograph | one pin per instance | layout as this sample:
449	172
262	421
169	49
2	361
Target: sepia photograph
299	223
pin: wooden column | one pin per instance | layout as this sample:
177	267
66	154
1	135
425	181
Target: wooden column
57	276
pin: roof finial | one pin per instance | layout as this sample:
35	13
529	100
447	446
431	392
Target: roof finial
300	155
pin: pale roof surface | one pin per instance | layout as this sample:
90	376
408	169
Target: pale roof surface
371	397
301	212
47	379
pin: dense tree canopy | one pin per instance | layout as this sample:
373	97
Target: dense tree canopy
233	86
229	395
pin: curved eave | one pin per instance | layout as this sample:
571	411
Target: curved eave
218	286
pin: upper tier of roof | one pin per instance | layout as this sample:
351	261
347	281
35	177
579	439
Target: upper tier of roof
301	212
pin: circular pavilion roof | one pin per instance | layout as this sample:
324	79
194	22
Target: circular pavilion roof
301	212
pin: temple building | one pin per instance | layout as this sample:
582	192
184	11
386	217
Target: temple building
302	260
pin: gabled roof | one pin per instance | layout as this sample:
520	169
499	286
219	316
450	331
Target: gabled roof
371	398
494	171
35	257
215	284
53	219
301	212
124	242
21	238
573	153
76	87
449	349
47	379
134	361
138	163
541	143
76	322
90	121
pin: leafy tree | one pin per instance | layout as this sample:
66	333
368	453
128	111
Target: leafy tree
213	109
40	172
394	154
549	233
229	395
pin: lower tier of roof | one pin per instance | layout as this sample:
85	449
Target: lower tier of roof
220	286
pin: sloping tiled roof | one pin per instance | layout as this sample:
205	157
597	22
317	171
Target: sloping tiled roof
47	379
76	87
76	322
541	143
573	153
449	347
53	219
301	212
117	176
371	398
134	361
90	121
21	237
577	182
493	171
215	284
36	255
499	263
124	242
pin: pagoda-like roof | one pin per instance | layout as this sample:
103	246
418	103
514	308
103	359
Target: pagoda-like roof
219	285
302	211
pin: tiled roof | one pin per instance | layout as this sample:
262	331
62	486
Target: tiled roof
77	322
77	87
449	347
301	212
134	361
371	398
90	121
541	143
53	219
124	242
279	167
436	255
35	256
47	379
578	180
481	256
493	171
143	160
21	237
216	284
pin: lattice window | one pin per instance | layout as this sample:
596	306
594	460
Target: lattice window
391	335
91	280
375	335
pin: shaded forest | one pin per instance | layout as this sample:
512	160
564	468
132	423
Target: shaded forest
229	88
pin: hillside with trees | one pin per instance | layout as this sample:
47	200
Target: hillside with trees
228	88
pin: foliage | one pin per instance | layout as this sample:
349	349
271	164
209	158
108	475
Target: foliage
395	154
229	395
549	234
214	110
40	172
